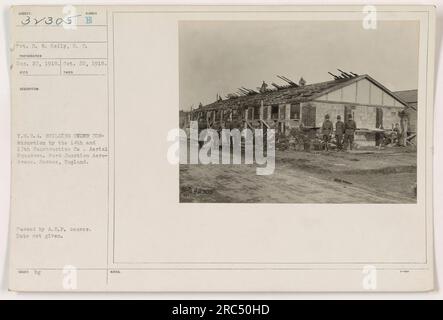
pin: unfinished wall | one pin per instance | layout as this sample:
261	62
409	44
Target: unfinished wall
323	108
390	117
365	117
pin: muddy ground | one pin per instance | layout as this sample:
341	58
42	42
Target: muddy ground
361	176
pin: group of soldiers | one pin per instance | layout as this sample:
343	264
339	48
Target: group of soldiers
344	132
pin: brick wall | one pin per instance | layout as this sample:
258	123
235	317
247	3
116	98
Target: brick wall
364	116
323	108
390	117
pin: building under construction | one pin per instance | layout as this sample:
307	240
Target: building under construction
295	105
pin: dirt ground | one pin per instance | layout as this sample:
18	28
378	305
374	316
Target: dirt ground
361	176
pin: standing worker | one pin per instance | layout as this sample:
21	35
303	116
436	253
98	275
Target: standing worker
350	128
326	131
339	132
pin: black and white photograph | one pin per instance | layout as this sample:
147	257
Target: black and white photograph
220	150
340	97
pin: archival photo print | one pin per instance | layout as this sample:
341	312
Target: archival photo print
298	111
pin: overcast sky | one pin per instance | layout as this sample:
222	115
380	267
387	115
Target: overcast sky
221	56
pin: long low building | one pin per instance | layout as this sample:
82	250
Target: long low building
371	104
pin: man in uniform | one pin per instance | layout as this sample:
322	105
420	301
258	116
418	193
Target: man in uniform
350	127
326	131
339	132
